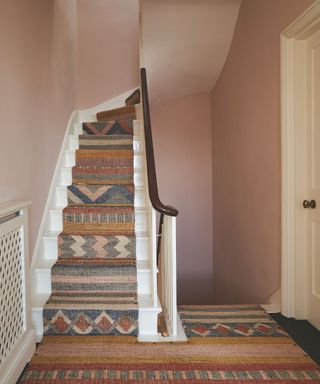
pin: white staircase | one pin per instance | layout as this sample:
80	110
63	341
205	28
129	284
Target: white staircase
46	250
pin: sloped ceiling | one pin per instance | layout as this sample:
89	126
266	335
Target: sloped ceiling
185	44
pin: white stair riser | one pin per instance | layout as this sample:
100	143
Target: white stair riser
66	177
147	321
138	161
137	144
70	159
55	220
50	248
61	199
137	128
141	221
73	142
37	322
142	248
78	129
144	278
139	178
43	280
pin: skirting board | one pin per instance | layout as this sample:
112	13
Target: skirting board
12	367
273	303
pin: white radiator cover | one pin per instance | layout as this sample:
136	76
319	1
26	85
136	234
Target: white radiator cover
17	339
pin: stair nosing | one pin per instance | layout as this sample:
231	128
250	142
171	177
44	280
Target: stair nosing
143	298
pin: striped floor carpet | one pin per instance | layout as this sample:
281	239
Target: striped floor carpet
94	281
226	344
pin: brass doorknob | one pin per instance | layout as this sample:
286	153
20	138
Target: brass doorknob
309	204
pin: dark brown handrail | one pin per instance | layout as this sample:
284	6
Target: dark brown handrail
151	168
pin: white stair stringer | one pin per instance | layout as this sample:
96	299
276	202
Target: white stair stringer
46	249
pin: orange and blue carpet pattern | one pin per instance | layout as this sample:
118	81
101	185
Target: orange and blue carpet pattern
226	344
94	281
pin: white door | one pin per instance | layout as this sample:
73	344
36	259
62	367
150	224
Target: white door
300	113
312	202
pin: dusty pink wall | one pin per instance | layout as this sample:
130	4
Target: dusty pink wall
108	49
182	141
37	39
246	155
41	49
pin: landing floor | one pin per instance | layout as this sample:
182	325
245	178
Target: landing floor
225	344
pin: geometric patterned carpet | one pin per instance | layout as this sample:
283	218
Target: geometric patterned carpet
94	281
226	344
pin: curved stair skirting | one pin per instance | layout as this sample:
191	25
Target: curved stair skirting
46	250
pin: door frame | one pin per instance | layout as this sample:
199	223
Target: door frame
294	118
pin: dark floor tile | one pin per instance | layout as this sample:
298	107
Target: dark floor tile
303	333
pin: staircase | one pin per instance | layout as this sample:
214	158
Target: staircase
52	243
74	290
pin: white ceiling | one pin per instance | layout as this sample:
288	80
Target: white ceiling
185	44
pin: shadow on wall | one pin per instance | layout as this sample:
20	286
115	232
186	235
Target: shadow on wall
194	288
246	155
182	144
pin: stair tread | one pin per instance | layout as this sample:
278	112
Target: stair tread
47	264
135	152
65	167
92	301
54	234
59	209
113	114
106	137
145	302
108	186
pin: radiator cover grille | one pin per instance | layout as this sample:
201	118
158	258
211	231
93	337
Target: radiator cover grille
12	306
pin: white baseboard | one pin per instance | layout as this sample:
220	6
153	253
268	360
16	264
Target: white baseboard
270	308
273	303
21	354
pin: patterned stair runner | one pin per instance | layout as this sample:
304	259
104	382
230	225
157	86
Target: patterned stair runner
94	281
127	112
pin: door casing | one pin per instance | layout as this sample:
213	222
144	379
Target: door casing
294	116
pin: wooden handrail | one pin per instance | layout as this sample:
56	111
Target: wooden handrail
151	168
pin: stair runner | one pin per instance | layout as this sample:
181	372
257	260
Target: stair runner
94	281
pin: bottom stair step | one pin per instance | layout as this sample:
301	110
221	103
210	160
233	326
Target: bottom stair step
90	319
147	315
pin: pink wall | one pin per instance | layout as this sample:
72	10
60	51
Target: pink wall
43	43
108	49
37	96
182	141
246	155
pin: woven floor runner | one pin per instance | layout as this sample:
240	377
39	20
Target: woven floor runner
226	344
94	281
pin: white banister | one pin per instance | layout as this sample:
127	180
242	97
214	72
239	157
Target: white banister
17	339
168	274
153	245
